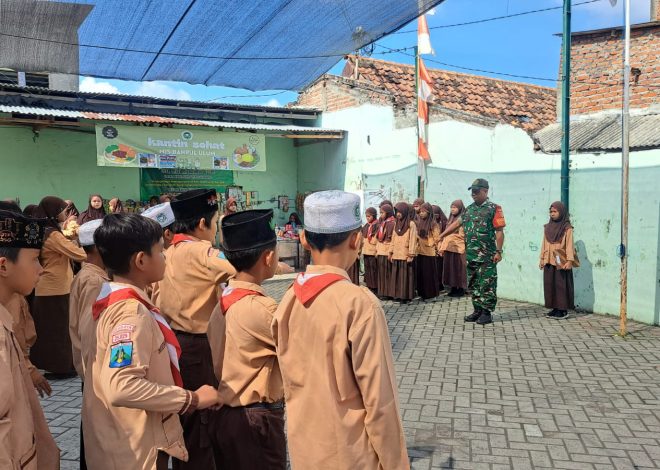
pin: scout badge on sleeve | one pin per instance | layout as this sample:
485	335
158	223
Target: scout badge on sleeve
121	355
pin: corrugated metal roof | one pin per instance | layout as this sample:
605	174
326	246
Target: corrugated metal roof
163	120
602	134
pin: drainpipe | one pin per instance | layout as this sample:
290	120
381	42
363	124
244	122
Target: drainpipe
566	103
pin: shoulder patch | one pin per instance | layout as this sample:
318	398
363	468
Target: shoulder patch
121	355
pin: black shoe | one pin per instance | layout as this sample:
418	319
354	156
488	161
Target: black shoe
474	316
459	293
452	292
551	313
560	314
485	318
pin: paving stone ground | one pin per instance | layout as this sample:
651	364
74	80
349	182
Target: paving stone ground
526	392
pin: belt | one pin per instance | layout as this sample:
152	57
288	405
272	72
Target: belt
278	405
192	335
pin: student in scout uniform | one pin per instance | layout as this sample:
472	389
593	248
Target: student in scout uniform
557	260
249	428
417	207
134	389
335	354
161	213
428	239
188	294
452	250
441	219
483	222
384	240
84	292
26	441
403	251
370	250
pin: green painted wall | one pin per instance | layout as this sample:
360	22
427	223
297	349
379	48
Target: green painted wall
58	162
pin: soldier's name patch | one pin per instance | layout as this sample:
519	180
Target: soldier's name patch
121	336
121	355
123	327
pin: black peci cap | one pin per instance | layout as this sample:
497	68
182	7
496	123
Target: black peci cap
196	202
248	230
18	231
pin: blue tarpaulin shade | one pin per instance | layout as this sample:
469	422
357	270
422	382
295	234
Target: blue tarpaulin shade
252	44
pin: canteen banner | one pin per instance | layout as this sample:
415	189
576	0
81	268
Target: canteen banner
185	149
154	181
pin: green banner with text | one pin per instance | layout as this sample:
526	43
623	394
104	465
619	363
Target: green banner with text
183	149
154	182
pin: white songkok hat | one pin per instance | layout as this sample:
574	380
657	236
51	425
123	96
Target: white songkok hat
332	212
162	213
86	232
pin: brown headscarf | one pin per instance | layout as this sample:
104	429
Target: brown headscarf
370	229
555	229
30	211
71	210
386	227
425	226
50	208
461	208
230	201
91	213
385	202
440	217
406	211
419	202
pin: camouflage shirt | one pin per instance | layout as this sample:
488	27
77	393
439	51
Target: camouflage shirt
480	224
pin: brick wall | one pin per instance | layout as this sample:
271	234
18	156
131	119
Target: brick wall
332	93
597	70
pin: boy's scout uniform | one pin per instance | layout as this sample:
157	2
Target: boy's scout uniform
25	441
187	296
131	400
24	331
336	360
249	428
163	214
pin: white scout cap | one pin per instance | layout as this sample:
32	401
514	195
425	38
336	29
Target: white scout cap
86	232
161	213
332	212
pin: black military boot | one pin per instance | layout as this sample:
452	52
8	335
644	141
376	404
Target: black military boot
474	315
485	318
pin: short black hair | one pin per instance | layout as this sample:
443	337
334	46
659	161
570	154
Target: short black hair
190	224
321	241
154	198
89	248
122	235
9	252
246	259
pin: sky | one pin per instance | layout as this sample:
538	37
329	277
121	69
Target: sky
526	46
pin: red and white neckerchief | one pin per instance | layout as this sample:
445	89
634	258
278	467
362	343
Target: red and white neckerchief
231	295
112	293
370	230
308	285
182	238
381	229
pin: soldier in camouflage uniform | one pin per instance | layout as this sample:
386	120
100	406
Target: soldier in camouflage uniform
483	223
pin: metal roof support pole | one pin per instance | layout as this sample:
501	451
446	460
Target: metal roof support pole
625	164
566	103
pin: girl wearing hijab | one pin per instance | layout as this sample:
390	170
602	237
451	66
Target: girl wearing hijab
403	250
94	211
452	250
557	261
295	221
52	351
383	241
428	240
441	219
115	206
417	205
369	249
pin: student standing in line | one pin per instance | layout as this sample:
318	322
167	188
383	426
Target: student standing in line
248	430
452	250
335	354
94	211
384	240
26	441
428	239
558	258
441	220
161	213
370	249
403	251
417	206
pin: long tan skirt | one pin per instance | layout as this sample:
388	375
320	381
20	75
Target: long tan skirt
454	273
402	281
52	351
428	282
384	276
371	272
558	288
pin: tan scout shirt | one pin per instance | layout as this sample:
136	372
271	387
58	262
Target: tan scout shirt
250	372
82	327
25	441
339	384
370	247
404	246
565	246
190	289
454	242
56	256
24	330
428	246
130	413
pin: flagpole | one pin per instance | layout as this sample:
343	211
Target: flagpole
420	186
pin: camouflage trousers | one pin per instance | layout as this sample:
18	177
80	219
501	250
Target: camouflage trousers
482	282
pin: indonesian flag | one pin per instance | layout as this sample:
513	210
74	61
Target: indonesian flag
423	36
424	97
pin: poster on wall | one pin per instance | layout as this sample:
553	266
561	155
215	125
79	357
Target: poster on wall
184	149
154	181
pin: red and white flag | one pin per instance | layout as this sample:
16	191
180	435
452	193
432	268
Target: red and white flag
424	97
